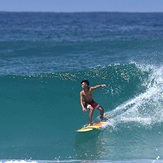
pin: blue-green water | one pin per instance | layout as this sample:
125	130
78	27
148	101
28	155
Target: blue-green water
43	58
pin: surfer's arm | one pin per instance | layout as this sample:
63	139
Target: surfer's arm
81	102
98	86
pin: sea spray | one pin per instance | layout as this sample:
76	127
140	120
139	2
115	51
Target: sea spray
146	107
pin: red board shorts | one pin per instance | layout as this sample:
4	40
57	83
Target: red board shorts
92	103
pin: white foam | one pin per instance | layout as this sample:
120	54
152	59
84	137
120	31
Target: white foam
146	107
18	161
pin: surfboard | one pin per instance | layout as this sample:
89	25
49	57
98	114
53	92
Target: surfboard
95	126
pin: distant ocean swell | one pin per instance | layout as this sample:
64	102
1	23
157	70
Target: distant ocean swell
31	57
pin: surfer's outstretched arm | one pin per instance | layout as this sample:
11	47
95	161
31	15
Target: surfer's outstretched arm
97	86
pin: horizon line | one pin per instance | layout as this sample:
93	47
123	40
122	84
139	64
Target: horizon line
82	11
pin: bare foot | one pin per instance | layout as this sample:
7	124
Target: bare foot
104	118
90	124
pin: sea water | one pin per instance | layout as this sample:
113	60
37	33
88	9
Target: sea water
44	57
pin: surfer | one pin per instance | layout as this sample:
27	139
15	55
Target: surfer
87	102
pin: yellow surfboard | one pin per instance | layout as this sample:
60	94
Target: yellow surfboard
96	125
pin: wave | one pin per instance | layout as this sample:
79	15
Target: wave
146	106
133	92
91	161
35	108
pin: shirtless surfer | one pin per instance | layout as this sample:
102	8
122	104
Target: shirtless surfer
87	102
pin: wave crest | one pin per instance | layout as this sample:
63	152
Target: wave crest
146	107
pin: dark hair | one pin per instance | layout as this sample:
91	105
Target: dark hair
85	81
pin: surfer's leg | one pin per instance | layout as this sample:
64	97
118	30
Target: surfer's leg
102	113
91	110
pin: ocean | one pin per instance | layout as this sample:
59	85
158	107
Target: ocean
44	57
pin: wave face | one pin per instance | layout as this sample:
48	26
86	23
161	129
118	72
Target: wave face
41	111
44	57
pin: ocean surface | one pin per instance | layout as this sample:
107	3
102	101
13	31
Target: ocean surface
44	57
